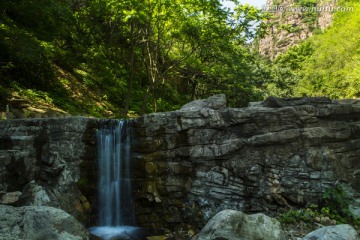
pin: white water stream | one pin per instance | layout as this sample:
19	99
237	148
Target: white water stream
116	213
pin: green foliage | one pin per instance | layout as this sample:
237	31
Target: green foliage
334	205
290	28
4	93
134	56
309	16
23	58
286	71
46	19
333	69
305	215
25	26
326	64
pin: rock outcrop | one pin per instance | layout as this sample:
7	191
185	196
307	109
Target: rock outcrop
44	162
37	223
235	225
256	159
190	164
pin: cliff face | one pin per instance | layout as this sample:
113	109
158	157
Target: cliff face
199	161
43	163
191	164
293	21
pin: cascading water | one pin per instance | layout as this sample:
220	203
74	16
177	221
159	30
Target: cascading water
114	171
115	191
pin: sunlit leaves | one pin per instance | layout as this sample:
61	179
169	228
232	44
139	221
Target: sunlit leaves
333	68
145	55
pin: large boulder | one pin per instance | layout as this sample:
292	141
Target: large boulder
236	225
215	102
338	232
39	222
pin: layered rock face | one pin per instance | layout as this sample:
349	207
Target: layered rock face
43	162
190	164
199	161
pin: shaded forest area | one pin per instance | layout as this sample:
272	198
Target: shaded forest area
110	58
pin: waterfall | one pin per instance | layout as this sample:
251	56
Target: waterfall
116	212
115	191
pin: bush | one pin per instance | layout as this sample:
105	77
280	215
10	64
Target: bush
334	205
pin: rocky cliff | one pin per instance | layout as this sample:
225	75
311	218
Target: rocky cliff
281	153
192	163
42	162
293	21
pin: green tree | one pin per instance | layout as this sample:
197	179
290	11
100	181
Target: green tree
27	29
333	69
140	56
286	70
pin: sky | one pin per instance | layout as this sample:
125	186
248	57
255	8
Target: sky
256	3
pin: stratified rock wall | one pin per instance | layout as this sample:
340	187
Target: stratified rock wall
188	165
259	159
41	159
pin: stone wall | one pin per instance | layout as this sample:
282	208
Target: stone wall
44	162
198	161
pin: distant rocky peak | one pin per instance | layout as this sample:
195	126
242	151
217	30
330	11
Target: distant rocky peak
293	21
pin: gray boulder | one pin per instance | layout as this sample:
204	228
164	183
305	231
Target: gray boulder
338	232
38	222
215	102
236	225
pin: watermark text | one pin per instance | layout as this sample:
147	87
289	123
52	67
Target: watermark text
299	9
